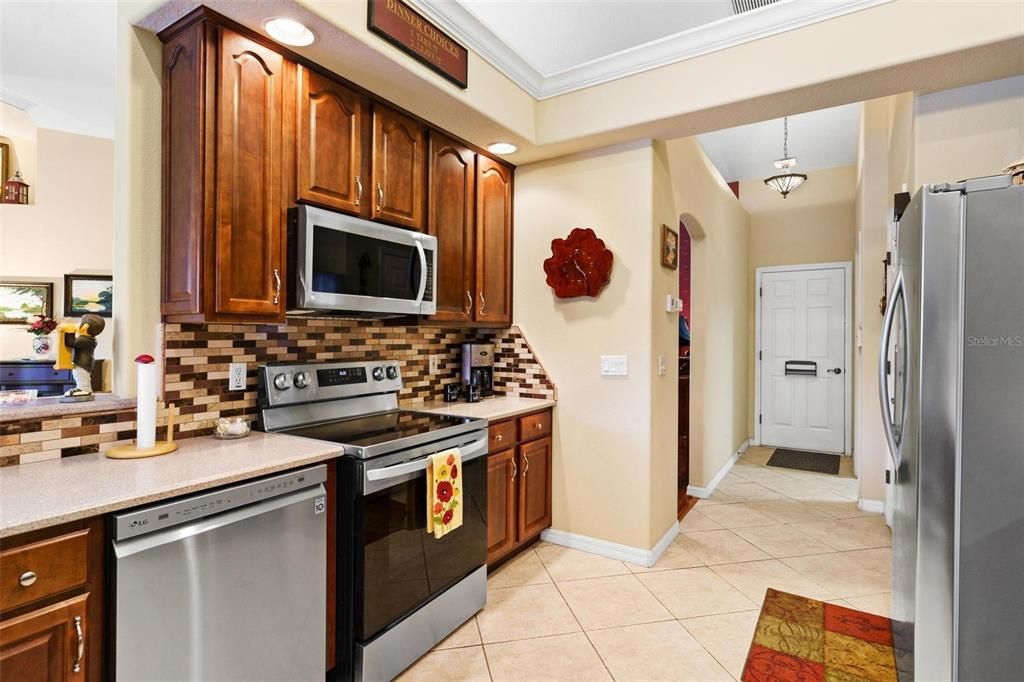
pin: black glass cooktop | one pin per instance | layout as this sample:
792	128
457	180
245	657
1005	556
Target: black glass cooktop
383	428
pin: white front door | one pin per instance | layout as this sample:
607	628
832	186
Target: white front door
803	353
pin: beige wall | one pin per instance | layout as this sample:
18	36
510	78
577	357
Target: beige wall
69	228
815	224
720	228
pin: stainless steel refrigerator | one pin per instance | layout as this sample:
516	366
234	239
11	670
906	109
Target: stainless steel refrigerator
953	338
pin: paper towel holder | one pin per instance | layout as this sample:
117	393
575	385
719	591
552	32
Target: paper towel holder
163	447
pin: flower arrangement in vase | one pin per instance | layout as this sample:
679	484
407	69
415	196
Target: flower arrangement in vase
42	327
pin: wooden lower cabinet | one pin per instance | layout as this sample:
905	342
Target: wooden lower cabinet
46	645
518	485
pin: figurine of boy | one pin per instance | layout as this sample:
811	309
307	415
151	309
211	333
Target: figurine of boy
82	343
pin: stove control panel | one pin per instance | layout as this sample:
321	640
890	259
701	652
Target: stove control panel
287	384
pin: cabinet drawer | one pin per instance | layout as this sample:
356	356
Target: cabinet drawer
535	426
34	374
502	435
38	570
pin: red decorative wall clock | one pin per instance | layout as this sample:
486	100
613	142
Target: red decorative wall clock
580	265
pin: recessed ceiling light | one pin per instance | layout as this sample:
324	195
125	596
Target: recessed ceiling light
289	32
501	148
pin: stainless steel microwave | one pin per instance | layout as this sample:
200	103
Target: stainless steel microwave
343	264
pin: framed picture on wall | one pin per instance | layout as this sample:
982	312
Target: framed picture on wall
21	301
88	294
5	162
669	247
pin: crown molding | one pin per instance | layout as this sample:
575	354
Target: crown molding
779	17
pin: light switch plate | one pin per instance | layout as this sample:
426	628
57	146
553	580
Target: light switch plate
614	365
662	368
236	376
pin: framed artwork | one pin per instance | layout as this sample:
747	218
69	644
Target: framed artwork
5	162
88	294
21	301
669	247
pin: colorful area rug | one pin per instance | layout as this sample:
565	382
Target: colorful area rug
804	640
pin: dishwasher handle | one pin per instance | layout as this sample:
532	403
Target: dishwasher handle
316	496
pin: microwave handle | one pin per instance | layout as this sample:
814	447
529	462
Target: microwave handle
471	451
423	272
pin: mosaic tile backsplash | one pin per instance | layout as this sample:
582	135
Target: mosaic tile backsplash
196	358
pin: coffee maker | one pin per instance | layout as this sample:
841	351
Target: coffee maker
478	369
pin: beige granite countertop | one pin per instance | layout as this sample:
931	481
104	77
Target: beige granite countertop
492	409
52	408
48	493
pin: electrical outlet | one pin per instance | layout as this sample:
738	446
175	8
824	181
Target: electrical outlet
662	368
236	376
614	365
435	364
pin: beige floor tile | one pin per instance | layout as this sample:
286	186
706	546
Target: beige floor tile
748	491
757	454
841	575
466	635
719	547
848	534
788	511
718	497
657	651
565	563
525	569
689	592
694	520
609	602
449	664
835	508
754	577
782	541
674	556
727	636
566	658
879	559
522	612
880	604
737	516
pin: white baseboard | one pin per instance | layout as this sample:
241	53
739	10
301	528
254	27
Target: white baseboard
703	493
612	550
871	506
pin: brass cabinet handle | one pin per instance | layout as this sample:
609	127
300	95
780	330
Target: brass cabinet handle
277	285
27	579
538	426
526	463
77	665
359	189
483	303
380	197
515	469
469	302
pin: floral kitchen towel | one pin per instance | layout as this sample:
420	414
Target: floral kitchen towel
444	492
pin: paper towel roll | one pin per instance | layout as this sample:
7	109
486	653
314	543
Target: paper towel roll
145	422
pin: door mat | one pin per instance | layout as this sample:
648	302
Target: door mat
819	462
804	639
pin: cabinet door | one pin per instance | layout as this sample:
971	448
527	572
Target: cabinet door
501	504
398	185
45	645
493	242
330	144
250	221
534	488
450	218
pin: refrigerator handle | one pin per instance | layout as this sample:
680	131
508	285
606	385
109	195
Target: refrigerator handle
898	297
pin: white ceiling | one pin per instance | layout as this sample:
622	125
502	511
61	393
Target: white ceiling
818	139
57	63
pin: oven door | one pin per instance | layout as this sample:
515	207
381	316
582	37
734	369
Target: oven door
399	566
349	264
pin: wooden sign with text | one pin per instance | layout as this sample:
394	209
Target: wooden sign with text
407	29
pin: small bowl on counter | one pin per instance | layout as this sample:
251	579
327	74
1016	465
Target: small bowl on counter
230	428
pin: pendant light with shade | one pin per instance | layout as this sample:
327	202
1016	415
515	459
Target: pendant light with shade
785	182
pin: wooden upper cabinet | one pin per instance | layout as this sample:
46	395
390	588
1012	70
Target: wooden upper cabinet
330	144
493	242
534	487
452	176
398	181
250	220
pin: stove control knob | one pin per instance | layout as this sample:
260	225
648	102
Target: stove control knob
378	374
301	380
281	382
392	372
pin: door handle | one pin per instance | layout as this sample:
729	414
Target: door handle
898	297
359	189
483	303
277	286
469	302
380	197
526	465
515	469
76	666
835	370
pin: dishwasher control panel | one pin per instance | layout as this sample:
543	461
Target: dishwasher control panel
168	514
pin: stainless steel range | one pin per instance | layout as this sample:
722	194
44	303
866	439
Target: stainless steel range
400	590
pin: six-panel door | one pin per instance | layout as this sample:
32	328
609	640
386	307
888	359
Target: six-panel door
398	153
330	131
450	219
250	222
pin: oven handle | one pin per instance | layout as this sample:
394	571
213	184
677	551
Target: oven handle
471	451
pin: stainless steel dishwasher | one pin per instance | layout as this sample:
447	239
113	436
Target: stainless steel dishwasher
225	585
